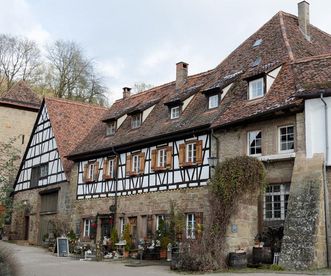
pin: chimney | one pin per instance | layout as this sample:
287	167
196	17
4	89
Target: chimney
303	17
126	92
181	73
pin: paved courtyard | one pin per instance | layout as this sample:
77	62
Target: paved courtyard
35	261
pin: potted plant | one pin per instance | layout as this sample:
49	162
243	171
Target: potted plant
163	235
128	239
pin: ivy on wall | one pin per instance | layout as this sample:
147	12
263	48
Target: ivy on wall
233	179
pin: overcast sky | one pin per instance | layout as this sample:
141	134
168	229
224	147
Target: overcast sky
141	40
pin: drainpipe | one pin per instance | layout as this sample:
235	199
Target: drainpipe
326	194
116	183
217	143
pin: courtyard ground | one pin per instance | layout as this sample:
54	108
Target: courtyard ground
36	261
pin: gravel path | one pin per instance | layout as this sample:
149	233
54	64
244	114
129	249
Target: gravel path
36	261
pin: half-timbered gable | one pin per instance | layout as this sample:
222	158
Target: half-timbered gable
59	127
42	164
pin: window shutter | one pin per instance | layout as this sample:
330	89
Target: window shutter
85	173
199	152
105	169
142	163
96	171
115	166
182	148
154	159
128	164
150	226
169	158
198	225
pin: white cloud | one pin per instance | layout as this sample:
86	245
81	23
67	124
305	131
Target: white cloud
16	18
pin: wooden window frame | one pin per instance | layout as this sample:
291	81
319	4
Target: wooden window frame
210	101
155	164
136	120
86	172
250	88
107	174
190	226
141	164
87	223
111	128
287	141
249	143
183	154
174	114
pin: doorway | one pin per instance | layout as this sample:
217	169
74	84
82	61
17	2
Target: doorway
26	227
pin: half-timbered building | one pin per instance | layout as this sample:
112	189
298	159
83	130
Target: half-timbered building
155	148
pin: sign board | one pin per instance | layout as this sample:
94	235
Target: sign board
62	245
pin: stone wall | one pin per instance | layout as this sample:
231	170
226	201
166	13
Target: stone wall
16	122
32	198
304	242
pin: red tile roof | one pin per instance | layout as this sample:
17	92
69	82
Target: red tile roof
21	95
71	121
282	45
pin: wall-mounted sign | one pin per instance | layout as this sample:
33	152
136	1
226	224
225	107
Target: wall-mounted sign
234	228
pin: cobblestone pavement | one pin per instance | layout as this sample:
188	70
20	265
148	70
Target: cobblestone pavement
36	261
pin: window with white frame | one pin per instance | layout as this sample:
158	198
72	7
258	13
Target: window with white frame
191	152
111	168
87	228
159	219
286	139
190	226
254	142
111	128
256	88
213	101
162	158
90	172
122	224
136	120
135	163
275	201
175	112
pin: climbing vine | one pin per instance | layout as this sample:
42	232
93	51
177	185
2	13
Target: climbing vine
233	179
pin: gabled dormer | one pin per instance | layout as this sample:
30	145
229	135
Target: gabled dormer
111	127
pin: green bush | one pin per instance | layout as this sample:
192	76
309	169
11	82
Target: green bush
276	267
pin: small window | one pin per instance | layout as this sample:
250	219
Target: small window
122	225
135	163
276	201
111	128
256	88
191	152
87	228
162	158
91	171
37	173
254	142
190	226
286	139
213	101
136	120
258	42
175	112
159	219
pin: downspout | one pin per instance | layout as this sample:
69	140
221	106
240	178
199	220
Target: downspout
326	195
116	183
217	143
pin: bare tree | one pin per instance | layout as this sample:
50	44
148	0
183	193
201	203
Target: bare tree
141	86
19	60
71	75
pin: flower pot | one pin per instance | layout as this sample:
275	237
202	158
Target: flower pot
163	254
126	254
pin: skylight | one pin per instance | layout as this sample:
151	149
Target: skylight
256	62
258	42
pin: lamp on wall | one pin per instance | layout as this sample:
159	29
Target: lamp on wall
212	161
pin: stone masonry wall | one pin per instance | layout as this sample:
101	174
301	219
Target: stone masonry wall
304	245
33	199
186	200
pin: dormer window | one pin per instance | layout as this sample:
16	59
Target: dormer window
256	88
175	112
213	101
111	128
136	120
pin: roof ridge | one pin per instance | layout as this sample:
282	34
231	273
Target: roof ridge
167	84
68	101
284	35
311	58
